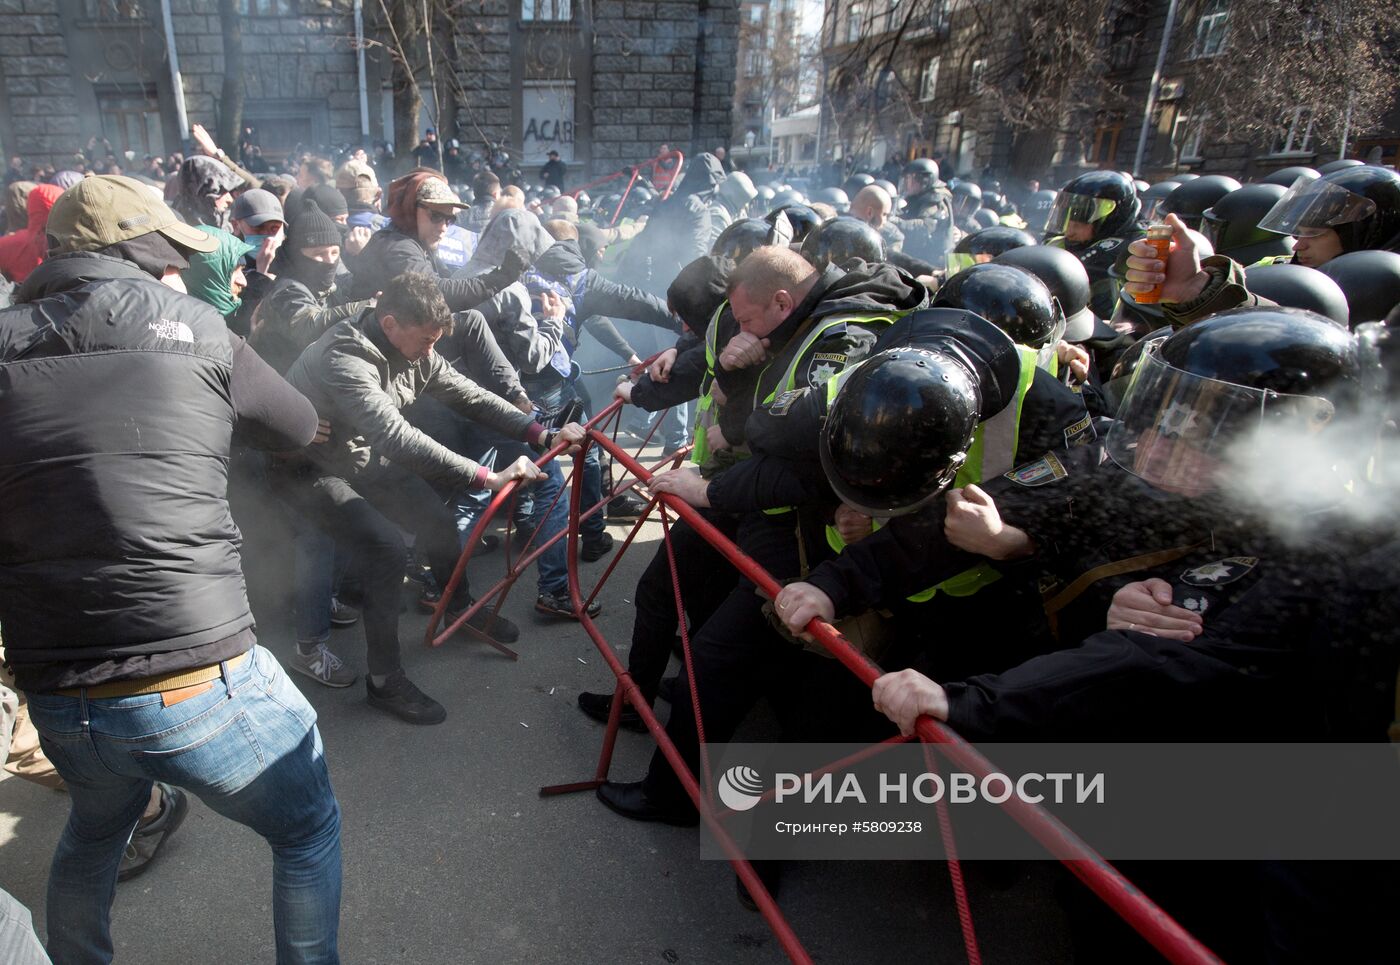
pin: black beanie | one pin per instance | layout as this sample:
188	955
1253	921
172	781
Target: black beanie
328	198
313	229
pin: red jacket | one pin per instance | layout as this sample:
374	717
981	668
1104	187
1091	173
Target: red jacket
24	250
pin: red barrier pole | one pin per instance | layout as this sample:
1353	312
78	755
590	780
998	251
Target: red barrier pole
1155	925
787	938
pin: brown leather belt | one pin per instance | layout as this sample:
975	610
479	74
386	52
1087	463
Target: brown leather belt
155	685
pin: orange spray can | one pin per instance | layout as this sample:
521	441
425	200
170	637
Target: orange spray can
1159	236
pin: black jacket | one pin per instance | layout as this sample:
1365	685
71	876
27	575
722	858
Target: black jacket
390	253
678	232
118	555
294	314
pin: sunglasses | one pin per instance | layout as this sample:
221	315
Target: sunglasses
439	218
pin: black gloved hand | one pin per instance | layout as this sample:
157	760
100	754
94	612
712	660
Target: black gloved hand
515	261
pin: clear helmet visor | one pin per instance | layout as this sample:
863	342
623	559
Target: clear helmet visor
956	261
1078	207
1178	431
1152	211
1310	207
1047	353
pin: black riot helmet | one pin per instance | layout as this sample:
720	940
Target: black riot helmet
1297	286
1151	200
765	196
1197	394
1067	279
801	218
889	187
899	430
1140	186
923	172
1184	178
1190	201
787	196
1341	164
1361	203
1037	211
1232	224
741	238
985	218
1285	177
855	182
967	198
1370	280
835	197
1105	200
984	244
840	239
1012	299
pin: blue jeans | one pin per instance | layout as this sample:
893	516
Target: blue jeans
554	562
314	568
248	747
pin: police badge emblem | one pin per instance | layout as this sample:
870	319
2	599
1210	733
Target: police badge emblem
1220	572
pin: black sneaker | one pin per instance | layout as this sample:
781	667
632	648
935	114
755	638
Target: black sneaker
488	544
147	840
626	508
559	605
401	698
594	550
498	628
598	706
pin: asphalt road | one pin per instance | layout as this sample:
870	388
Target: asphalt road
451	855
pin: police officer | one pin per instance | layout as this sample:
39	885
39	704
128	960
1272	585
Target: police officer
1095	219
1353	208
1190	201
1177	593
841	239
1231	225
927	219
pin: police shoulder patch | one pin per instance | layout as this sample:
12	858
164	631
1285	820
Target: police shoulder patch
1220	572
1082	433
824	365
784	402
1044	470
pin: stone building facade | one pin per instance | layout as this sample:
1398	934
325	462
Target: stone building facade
907	79
605	83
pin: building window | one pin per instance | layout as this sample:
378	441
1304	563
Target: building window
1124	41
753	65
131	121
853	22
1106	143
928	81
755	14
1297	137
977	81
1213	28
544	10
1188	135
893	16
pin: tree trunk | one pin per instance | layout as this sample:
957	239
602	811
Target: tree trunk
408	99
231	98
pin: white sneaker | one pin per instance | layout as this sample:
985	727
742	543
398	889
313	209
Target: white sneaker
323	666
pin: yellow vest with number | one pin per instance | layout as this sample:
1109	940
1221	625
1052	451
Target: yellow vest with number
993	452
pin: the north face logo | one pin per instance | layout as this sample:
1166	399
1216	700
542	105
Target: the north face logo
165	328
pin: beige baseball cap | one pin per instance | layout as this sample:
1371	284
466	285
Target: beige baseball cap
355	174
438	192
109	209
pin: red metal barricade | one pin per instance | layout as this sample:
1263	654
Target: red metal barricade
1139	911
632	173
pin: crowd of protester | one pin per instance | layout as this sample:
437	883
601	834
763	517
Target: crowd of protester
919	405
